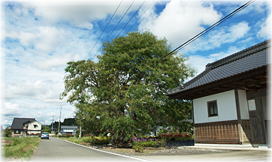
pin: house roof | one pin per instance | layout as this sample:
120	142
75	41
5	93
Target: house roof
18	123
244	61
68	127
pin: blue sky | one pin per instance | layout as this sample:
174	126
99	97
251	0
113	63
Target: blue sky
39	38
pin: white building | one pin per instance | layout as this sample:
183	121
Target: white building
25	126
68	129
230	98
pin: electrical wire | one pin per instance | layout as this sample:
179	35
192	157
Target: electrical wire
123	15
105	27
136	12
211	27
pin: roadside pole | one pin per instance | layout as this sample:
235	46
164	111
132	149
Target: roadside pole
80	132
59	120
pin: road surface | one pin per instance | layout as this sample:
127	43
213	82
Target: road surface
58	150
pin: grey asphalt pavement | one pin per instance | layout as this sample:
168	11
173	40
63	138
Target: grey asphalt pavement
58	150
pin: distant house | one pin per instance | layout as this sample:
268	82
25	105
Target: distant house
25	126
230	98
68	130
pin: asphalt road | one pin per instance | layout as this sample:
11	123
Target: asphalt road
58	150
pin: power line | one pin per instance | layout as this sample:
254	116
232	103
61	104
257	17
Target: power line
124	15
141	18
105	27
131	18
211	27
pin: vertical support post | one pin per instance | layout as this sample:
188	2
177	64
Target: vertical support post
80	131
59	120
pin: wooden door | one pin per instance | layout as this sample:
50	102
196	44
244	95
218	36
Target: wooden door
256	120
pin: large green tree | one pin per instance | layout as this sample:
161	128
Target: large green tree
124	93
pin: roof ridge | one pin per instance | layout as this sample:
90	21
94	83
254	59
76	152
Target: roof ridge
239	55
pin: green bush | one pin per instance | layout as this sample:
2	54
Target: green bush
138	148
99	140
7	132
176	136
92	140
158	143
66	135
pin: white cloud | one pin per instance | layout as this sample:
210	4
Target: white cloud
179	20
219	37
81	13
24	37
11	108
48	38
199	62
265	30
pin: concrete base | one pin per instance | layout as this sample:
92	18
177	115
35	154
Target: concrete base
227	147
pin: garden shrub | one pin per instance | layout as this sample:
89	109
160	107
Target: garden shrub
185	136
92	140
138	148
157	143
98	140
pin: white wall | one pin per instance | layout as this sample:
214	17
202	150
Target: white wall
226	105
243	104
31	126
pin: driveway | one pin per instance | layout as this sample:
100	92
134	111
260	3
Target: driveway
58	150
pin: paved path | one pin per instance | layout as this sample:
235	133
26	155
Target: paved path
226	156
58	150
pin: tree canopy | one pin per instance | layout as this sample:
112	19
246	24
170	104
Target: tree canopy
124	93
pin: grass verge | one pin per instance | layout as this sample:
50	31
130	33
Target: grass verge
19	147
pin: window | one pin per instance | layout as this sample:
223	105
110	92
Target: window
17	132
35	126
212	108
251	105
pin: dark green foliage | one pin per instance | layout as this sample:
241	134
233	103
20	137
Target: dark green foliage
176	136
46	128
91	140
157	143
124	93
69	121
7	132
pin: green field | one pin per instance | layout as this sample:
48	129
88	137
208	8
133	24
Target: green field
19	147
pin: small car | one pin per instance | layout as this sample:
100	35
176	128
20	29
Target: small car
45	135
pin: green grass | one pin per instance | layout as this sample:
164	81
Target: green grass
20	147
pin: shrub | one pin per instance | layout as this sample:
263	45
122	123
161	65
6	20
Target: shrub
7	132
92	140
138	148
158	143
147	138
176	136
66	135
99	140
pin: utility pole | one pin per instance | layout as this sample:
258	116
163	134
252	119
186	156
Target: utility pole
52	128
80	131
59	119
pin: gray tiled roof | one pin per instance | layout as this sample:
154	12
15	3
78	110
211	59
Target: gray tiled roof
18	123
240	62
68	127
